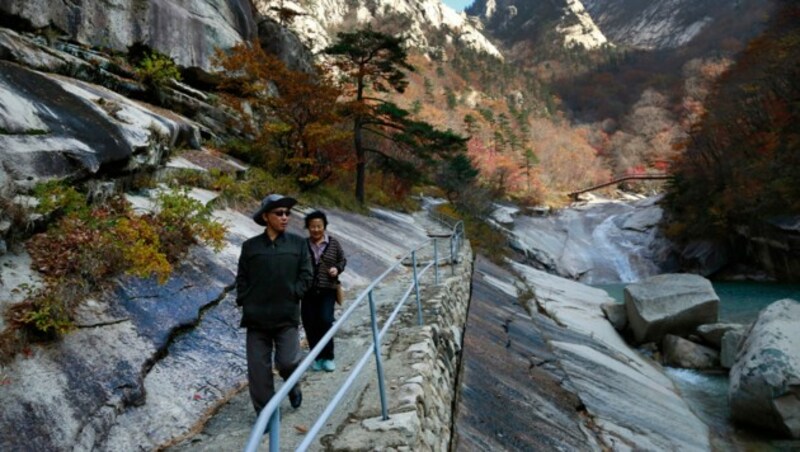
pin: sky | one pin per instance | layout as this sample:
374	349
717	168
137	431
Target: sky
457	5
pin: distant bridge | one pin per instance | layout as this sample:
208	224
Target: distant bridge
661	176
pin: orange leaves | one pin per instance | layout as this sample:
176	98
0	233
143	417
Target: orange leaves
499	170
300	120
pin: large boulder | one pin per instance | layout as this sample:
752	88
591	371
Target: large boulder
189	31
765	380
669	303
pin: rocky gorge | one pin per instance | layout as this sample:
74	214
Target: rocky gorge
675	315
538	361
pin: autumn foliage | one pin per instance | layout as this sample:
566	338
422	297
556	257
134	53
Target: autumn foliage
742	161
89	245
293	116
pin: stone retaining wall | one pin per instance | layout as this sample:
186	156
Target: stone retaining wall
421	365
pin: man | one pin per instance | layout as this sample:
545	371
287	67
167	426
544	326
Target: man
273	275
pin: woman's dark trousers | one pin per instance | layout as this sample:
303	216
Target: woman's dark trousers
317	313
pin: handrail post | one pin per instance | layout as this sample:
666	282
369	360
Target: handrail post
416	287
377	350
275	431
452	255
435	262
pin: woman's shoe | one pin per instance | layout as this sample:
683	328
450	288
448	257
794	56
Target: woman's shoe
317	365
328	365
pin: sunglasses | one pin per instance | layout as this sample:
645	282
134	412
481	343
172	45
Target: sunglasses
281	213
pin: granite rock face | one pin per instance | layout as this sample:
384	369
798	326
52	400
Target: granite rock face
514	395
72	394
559	348
597	243
765	380
56	127
188	31
669	304
319	20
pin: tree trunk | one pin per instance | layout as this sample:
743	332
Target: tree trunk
361	164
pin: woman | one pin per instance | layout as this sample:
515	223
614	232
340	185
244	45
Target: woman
317	308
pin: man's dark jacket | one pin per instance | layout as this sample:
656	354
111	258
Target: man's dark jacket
272	278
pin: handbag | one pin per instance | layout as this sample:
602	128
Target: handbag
339	294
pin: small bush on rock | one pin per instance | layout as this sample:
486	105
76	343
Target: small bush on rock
156	70
88	245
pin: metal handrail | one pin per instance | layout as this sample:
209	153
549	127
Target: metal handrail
271	412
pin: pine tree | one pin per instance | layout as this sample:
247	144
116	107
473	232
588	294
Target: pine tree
375	61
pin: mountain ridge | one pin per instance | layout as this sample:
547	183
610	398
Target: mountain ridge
317	21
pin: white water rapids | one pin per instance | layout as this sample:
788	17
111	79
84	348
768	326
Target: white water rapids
600	243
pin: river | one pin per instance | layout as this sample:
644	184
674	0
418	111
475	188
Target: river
707	392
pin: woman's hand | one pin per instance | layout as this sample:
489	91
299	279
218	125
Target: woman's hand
333	271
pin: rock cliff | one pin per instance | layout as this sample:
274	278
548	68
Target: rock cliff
591	23
188	31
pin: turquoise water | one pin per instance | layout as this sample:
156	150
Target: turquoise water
707	392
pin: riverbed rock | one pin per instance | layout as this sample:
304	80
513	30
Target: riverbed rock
633	404
616	314
514	395
730	346
703	257
644	218
713	332
679	352
764	388
669	304
598	243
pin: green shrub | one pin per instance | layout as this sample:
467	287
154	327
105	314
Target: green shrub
184	221
57	196
49	316
156	71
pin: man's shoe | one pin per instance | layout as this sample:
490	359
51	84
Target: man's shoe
317	366
296	397
328	365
